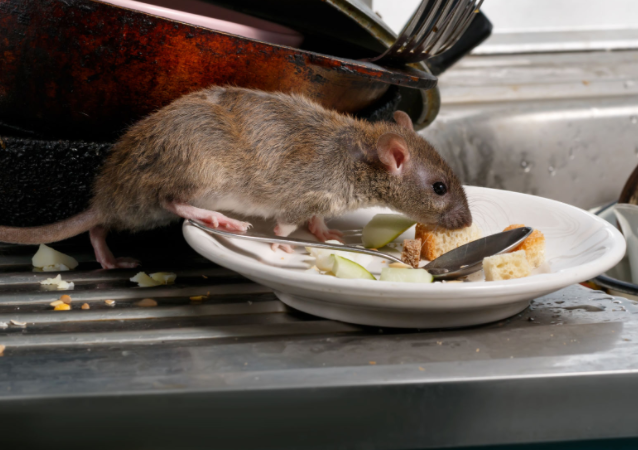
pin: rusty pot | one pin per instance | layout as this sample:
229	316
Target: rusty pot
83	69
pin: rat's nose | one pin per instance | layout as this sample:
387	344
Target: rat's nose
457	218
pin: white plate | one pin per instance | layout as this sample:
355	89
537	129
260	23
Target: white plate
579	245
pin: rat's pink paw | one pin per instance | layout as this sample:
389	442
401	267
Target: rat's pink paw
285	247
318	227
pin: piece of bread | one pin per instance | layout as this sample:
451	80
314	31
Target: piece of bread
411	254
534	246
506	266
436	240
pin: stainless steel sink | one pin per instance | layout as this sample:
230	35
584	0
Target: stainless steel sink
558	125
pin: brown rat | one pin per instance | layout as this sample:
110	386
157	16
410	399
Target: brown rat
258	154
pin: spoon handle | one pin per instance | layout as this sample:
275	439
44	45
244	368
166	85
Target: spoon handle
253	236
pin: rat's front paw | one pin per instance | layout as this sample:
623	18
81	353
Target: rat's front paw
285	247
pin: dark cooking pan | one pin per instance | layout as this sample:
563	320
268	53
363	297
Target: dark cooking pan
83	69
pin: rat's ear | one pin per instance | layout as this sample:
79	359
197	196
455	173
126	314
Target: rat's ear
393	152
403	120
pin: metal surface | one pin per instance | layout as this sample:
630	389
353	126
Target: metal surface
468	258
198	373
434	27
562	126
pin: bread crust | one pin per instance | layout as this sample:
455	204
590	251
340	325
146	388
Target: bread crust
534	246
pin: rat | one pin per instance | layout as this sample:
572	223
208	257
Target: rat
255	153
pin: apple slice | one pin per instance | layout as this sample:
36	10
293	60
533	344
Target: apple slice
46	256
344	268
384	228
405	275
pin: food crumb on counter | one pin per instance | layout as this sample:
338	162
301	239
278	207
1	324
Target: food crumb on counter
59	283
17	323
373	363
86	306
2	347
65	298
110	302
56	303
4	325
62	307
147	303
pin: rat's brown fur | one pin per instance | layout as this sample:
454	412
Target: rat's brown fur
269	154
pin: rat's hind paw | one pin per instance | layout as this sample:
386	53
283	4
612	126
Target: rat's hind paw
318	227
127	263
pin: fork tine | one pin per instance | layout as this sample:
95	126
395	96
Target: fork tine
458	31
428	32
460	16
409	27
424	47
433	28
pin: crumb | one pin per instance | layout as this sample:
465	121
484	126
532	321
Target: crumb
86	306
372	363
205	277
66	299
110	302
421	369
18	323
2	347
56	303
147	303
411	254
62	307
398	265
197	298
478	350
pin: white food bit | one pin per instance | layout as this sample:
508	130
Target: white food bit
164	277
59	283
398	265
155	279
55	268
322	256
4	325
17	323
46	257
143	280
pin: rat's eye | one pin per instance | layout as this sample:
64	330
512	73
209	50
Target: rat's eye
439	188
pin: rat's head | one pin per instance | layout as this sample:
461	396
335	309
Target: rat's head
419	183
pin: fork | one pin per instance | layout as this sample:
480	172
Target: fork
433	28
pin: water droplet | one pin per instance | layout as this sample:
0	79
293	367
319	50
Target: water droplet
551	170
634	119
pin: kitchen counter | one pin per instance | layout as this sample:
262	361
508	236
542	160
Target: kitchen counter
240	370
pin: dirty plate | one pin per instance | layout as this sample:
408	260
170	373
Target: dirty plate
579	247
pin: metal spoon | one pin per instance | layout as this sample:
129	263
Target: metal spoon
459	262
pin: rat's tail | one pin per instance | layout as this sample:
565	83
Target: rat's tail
53	232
